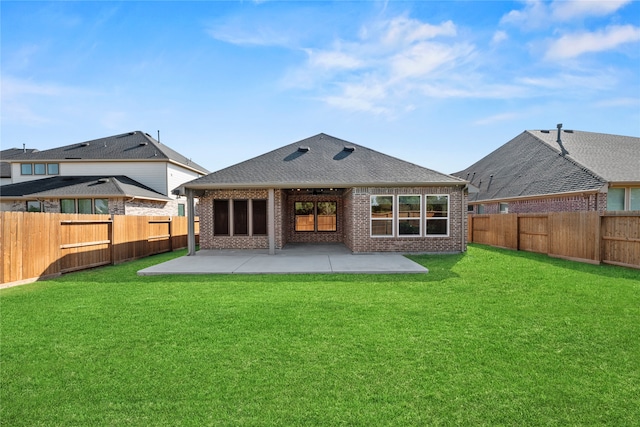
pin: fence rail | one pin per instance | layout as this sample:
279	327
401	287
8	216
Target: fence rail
35	245
594	237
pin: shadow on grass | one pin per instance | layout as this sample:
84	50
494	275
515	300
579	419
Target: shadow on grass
604	270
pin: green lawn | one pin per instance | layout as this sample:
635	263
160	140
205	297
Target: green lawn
490	337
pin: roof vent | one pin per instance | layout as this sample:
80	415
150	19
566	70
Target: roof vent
144	143
103	180
349	148
559	126
567	131
84	144
303	149
544	131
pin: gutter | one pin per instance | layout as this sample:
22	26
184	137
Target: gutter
602	189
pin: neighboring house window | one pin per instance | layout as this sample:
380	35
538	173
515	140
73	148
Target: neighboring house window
480	209
504	207
304	216
53	169
84	206
101	206
382	215
259	217
615	199
470	208
409	214
240	217
327	216
34	206
68	206
437	218
221	217
39	169
180	209
620	198
634	199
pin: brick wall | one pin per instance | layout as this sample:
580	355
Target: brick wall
206	213
574	203
358	223
313	236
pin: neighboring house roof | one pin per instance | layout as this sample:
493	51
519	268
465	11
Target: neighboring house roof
8	154
134	145
81	186
534	164
322	161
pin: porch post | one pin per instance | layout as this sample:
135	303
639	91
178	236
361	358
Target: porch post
271	221
191	224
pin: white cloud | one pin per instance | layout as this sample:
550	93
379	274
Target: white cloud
569	9
540	14
332	59
573	45
499	37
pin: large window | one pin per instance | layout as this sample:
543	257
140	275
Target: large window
221	217
620	198
312	216
259	217
382	215
304	216
232	218
240	217
84	206
327	216
39	168
437	218
409	215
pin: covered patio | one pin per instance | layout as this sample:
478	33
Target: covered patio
294	258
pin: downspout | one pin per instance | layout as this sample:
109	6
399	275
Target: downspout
191	226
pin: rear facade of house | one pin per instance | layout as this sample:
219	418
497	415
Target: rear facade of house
327	190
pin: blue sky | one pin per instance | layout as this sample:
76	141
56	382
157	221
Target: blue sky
438	83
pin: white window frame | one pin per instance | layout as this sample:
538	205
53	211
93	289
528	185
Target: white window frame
419	219
394	211
447	218
504	208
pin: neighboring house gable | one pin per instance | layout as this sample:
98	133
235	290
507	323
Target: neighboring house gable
563	170
323	189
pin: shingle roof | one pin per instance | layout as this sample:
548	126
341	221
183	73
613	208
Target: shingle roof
616	158
8	154
526	166
134	145
322	161
80	186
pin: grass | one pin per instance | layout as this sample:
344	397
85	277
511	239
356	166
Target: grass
490	337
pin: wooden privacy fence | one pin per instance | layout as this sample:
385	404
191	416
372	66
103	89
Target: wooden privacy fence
35	245
595	237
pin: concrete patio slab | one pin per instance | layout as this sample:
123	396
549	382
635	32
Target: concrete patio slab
294	259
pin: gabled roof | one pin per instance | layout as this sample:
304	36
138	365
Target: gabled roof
534	164
322	161
81	186
134	145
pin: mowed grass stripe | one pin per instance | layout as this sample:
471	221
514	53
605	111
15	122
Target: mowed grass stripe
490	337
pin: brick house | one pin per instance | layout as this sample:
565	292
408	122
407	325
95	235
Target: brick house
126	174
327	190
557	170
